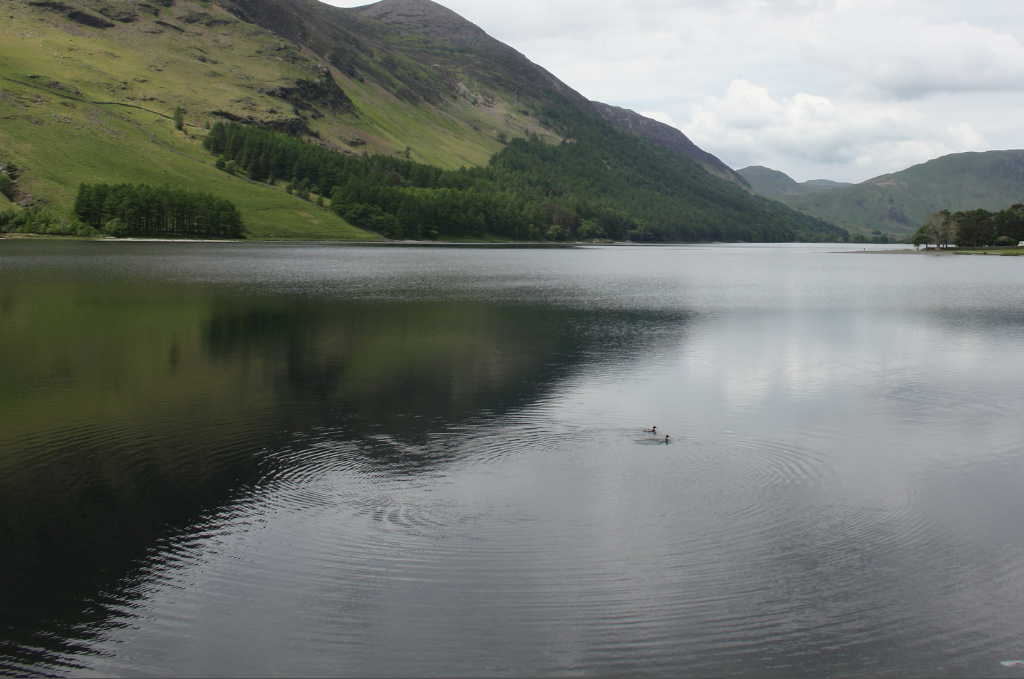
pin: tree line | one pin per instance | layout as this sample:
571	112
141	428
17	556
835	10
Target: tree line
973	228
143	210
40	221
602	183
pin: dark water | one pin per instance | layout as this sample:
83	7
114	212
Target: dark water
332	460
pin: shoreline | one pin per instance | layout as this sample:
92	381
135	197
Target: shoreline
1007	252
135	239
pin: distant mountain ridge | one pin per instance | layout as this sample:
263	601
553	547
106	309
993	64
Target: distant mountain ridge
775	184
898	202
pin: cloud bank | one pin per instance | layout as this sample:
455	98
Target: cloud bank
747	124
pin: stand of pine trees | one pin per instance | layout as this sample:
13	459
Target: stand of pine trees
605	183
145	210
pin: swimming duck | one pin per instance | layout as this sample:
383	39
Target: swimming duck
652	430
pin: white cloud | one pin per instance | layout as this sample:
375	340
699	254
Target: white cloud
913	57
748	126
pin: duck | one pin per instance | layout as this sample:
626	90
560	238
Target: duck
666	438
652	430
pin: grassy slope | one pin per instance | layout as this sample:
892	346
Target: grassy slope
94	145
121	64
158	71
60	141
443	138
412	86
770	183
899	202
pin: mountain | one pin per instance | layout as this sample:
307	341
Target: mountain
775	184
666	136
899	202
89	87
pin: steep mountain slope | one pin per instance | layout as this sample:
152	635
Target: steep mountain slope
899	202
668	137
98	81
774	184
462	62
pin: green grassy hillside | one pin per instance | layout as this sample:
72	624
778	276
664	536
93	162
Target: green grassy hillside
81	104
219	66
88	87
87	103
898	202
59	143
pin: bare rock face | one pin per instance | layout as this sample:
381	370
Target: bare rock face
305	92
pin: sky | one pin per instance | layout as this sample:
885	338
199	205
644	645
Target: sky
819	89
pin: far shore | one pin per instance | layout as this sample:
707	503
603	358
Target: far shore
1004	252
1000	252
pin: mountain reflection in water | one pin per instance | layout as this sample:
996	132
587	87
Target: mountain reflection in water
136	412
318	460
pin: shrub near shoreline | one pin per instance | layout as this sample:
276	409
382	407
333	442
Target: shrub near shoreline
39	221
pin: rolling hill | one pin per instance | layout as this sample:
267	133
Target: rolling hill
774	184
88	88
899	202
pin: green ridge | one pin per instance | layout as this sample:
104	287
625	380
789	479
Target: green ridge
899	202
774	184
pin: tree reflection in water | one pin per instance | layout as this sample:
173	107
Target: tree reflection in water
134	412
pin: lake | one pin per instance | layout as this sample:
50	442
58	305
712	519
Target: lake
290	459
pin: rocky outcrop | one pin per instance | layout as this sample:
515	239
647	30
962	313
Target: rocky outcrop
295	127
304	94
73	14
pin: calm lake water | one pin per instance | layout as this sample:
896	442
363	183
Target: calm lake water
221	459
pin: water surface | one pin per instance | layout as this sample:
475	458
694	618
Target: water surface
221	459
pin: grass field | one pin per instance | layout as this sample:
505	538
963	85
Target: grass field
59	142
1007	252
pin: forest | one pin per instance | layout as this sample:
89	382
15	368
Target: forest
142	210
600	184
973	228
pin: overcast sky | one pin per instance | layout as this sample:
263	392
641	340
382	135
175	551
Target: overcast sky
833	89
